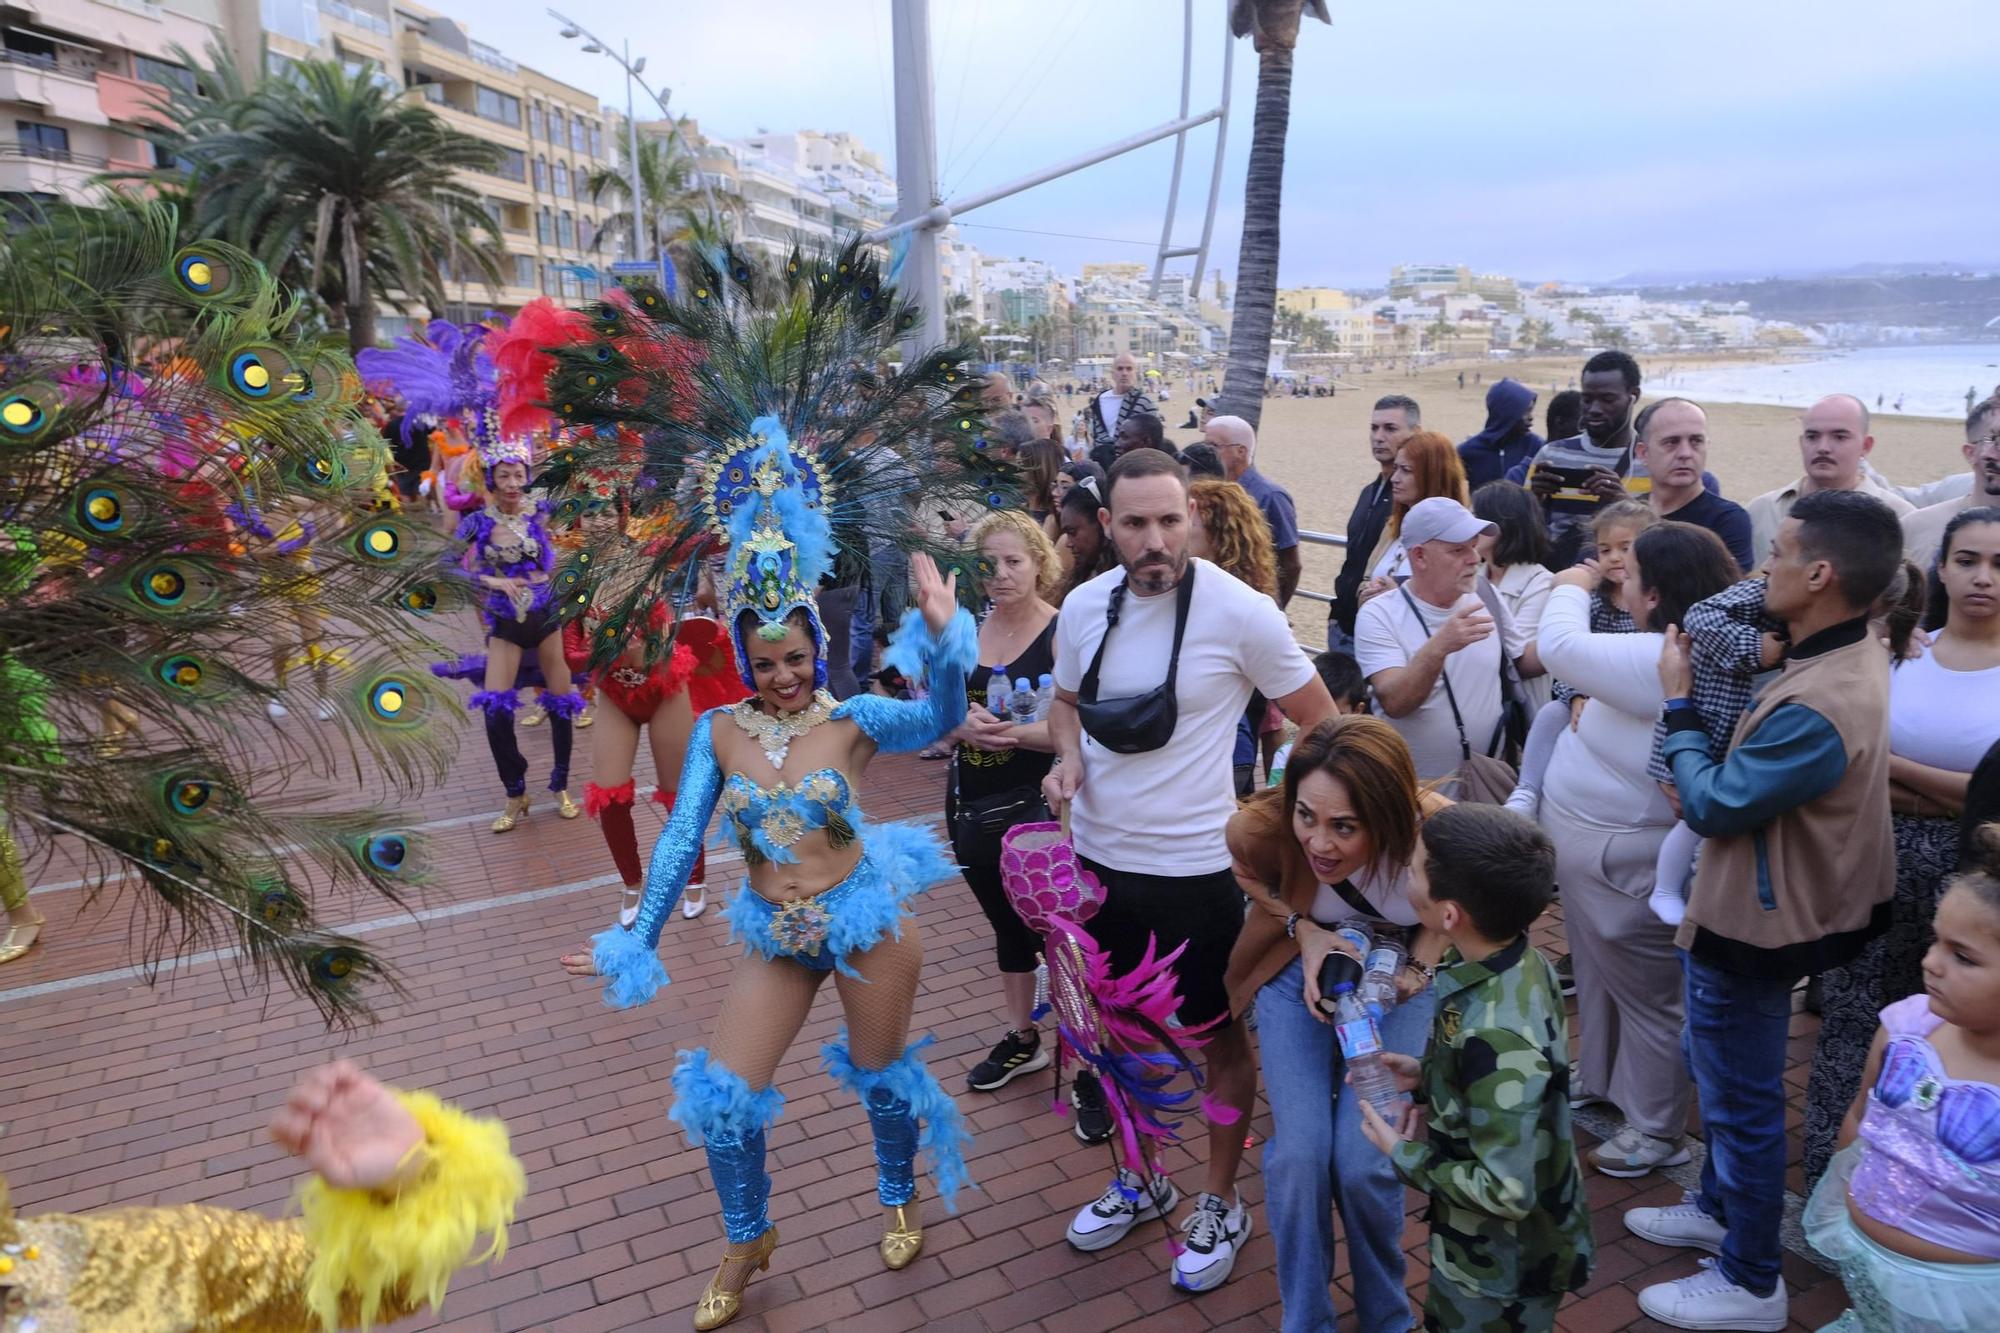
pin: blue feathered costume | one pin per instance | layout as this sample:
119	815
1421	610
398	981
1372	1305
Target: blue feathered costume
781	444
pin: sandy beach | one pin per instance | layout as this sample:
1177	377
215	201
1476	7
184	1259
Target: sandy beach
1318	447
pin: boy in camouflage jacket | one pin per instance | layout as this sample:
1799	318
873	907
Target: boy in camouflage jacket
1510	1227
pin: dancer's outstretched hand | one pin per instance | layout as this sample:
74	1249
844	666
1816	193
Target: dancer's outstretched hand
350	1129
582	963
937	594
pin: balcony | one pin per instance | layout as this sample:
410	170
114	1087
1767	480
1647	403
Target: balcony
56	94
49	172
358	18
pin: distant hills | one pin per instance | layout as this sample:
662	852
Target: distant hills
1956	300
1699	277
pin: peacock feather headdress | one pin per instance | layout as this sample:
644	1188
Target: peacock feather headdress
765	415
183	476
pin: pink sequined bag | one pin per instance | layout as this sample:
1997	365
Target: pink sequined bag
1043	878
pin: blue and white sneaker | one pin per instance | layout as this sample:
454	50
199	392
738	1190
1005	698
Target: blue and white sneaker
1216	1232
1125	1204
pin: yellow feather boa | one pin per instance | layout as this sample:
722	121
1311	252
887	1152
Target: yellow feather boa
371	1255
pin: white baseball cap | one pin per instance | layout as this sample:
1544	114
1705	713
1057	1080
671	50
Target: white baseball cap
1441	519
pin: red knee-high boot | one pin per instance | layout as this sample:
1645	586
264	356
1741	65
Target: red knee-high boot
611	807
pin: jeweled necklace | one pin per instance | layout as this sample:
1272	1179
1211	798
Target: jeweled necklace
775	733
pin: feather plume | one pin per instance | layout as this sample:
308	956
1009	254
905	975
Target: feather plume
185	484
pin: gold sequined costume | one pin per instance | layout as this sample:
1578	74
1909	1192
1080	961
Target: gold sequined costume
353	1261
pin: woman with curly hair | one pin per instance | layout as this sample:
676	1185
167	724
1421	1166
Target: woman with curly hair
1427	466
998	765
1227	528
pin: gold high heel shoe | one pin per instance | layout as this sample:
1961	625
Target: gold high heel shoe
10	945
718	1305
516	811
585	718
902	1243
565	807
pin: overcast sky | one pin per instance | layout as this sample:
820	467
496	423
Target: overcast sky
1578	139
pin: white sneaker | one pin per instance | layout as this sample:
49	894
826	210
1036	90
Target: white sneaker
1632	1152
276	711
694	901
1122	1206
1215	1231
1707	1299
1683	1224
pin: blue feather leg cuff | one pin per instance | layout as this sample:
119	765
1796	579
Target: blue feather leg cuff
943	1137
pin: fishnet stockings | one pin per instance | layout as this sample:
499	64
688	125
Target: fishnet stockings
768	1001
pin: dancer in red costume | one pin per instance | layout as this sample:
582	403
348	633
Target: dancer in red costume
661	697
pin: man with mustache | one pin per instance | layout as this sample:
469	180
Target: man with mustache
1164	652
1923	531
1833	444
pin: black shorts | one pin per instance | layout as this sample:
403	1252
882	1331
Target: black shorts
1205	912
528	632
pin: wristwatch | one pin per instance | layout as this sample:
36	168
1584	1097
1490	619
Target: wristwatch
1677	702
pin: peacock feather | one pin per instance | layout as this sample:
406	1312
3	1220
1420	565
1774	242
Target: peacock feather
673	388
186	492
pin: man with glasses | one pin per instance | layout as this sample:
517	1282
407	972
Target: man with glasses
1923	531
1394	418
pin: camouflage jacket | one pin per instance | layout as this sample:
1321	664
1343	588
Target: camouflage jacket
1508	1214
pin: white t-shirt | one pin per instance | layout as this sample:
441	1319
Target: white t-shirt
1109	405
1387	634
1947	719
1164	812
1388	893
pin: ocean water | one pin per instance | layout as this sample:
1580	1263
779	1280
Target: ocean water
1930	381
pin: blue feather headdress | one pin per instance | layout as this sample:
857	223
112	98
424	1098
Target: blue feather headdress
769	502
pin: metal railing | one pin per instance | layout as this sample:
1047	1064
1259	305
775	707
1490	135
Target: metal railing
487	55
360	18
1318	539
16	152
32	59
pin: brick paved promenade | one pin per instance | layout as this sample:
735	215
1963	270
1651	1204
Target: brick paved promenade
117	1093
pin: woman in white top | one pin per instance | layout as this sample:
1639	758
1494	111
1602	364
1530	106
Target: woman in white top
1607	818
1330	846
1515	560
1944	713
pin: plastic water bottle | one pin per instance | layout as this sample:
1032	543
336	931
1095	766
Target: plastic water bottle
1378	976
1361	1050
1340	968
1045	697
996	696
1022	703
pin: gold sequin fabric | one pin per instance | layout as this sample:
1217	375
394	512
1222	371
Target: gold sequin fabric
188	1269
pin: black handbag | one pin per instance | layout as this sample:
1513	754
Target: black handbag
1135	723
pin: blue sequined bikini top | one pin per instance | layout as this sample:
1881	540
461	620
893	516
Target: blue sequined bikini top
769	820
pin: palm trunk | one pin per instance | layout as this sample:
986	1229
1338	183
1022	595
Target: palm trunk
360	295
1257	259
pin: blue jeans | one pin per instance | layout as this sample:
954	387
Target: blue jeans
1316	1160
1735	1046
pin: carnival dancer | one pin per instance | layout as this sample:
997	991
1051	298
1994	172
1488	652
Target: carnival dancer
661	698
509	551
782	442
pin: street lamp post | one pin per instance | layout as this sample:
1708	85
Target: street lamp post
571	30
640	224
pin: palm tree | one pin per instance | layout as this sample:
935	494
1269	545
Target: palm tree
677	218
338	184
1273	26
958	318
